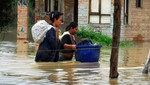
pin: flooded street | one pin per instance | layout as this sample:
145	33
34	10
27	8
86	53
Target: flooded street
17	67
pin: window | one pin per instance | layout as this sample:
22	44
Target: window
99	11
51	5
126	6
138	3
47	5
60	6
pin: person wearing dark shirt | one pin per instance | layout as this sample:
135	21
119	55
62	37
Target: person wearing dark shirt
67	42
48	49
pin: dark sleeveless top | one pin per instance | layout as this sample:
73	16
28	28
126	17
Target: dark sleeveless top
66	39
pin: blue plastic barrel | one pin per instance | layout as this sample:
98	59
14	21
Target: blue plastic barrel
88	52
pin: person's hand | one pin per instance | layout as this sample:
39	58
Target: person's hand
74	48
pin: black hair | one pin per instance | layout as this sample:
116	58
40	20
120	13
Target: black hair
72	25
55	15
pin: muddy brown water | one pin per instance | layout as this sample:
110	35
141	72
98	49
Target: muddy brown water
17	67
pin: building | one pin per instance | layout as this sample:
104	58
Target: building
69	8
135	17
136	20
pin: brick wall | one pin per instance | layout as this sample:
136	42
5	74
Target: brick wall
139	26
139	19
83	11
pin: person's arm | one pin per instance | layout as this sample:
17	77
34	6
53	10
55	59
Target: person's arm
73	47
67	44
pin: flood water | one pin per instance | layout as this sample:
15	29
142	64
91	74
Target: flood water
17	67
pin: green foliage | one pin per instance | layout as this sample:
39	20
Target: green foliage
30	26
7	14
31	12
125	44
99	38
94	37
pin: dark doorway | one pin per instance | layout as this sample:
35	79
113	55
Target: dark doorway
56	5
126	8
76	10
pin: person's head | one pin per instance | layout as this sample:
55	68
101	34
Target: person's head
72	28
56	18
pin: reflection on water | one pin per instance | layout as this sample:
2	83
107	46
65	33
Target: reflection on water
134	56
70	72
22	47
16	69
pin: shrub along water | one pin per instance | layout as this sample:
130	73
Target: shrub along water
98	38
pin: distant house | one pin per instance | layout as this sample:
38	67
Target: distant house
136	20
135	15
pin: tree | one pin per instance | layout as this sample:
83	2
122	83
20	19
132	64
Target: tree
116	40
7	14
31	12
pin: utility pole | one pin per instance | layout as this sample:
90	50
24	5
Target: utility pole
116	40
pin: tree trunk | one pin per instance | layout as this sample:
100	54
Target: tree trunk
116	40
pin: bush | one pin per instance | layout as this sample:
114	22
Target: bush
98	38
94	37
